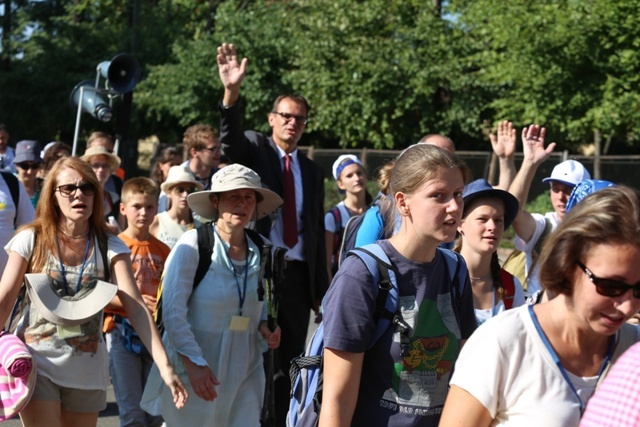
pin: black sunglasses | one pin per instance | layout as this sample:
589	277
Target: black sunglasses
68	190
610	287
180	189
27	166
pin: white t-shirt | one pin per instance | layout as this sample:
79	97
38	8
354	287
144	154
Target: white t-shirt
533	282
75	361
507	367
330	221
518	300
25	214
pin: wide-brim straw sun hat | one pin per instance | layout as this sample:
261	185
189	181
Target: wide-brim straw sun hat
67	311
179	175
229	178
114	161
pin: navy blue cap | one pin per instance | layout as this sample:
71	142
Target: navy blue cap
481	188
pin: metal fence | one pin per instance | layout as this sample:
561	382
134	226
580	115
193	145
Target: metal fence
619	169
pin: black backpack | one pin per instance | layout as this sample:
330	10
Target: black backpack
206	240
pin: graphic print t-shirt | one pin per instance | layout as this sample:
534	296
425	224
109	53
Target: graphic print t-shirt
397	390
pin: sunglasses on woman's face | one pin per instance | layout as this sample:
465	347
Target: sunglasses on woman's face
610	287
27	166
179	189
68	190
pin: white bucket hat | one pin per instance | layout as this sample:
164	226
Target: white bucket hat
234	177
179	175
67	311
114	161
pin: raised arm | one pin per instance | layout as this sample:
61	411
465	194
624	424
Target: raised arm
504	146
534	154
231	73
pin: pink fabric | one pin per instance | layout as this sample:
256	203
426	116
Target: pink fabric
616	403
17	375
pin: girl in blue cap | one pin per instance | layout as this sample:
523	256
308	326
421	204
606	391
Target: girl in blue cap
487	213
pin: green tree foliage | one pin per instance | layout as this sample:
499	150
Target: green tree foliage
379	73
569	65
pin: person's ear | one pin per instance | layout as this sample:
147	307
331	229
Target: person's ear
122	208
402	203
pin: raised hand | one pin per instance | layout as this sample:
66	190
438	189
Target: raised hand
504	142
533	144
231	71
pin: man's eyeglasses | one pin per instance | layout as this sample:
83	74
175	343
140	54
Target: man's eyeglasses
213	149
301	120
68	190
179	189
610	287
27	166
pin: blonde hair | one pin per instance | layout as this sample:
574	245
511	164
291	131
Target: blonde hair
139	185
49	216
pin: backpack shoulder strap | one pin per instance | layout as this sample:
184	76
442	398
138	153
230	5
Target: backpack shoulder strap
506	280
379	266
205	250
256	238
454	261
335	211
103	247
548	227
14	189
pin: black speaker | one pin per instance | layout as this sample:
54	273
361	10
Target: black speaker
122	72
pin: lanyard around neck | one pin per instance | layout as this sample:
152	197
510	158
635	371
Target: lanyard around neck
556	359
242	292
64	272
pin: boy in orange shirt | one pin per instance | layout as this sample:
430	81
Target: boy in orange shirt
129	361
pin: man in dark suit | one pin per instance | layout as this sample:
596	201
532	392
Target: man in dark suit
300	225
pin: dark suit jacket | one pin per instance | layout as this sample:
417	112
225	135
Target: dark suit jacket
256	151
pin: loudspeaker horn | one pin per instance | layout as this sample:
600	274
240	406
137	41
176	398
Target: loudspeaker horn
122	72
91	101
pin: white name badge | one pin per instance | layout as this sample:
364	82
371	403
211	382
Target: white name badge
239	323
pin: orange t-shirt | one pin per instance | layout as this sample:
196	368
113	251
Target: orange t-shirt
148	259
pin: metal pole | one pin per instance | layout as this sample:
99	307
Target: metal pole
78	116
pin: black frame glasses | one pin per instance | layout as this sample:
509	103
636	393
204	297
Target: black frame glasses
302	120
610	287
214	149
68	190
26	166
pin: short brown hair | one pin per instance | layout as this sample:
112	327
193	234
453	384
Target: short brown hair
609	216
195	136
139	185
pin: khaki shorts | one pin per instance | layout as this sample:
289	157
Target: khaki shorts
71	399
